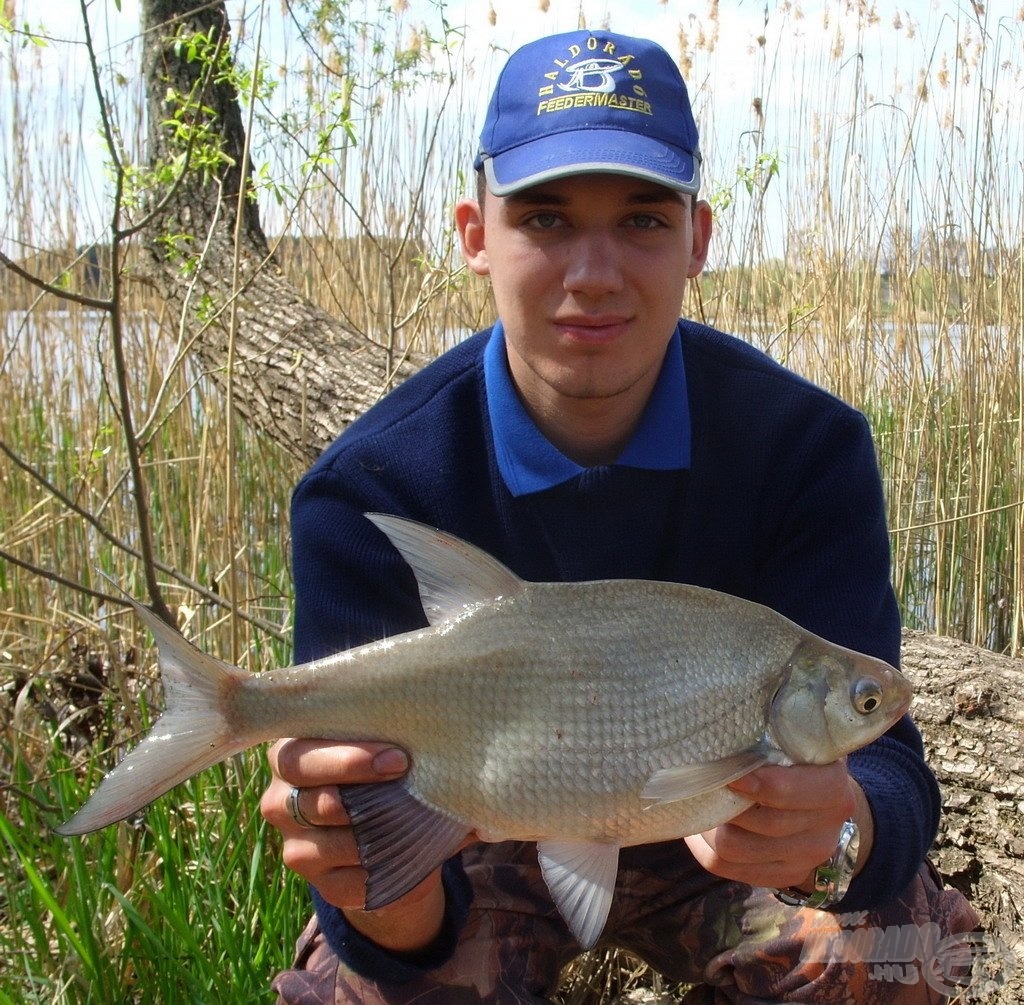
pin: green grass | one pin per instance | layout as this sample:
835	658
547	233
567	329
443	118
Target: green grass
185	904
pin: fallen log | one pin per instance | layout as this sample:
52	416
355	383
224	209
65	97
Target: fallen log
970	710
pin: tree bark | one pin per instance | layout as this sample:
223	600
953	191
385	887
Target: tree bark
296	371
968	708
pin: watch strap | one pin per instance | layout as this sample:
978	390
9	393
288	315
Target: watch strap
831	878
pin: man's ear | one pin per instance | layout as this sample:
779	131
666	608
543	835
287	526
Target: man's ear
469	221
702	227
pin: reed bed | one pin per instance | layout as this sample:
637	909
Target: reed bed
868	238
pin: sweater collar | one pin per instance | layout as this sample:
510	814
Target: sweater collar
529	462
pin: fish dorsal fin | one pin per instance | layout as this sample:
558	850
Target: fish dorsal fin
685	780
581	880
452	574
401	840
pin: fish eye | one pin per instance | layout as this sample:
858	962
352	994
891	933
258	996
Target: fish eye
866	695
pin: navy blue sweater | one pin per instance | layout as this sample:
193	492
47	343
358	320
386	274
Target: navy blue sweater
782	504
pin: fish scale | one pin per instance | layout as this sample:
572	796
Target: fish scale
583	716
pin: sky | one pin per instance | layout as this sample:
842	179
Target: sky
731	73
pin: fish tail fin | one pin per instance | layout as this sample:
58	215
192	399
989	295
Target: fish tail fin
193	734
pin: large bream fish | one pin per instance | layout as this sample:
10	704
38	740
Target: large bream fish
583	716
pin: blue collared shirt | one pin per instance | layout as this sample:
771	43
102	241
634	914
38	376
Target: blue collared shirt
529	462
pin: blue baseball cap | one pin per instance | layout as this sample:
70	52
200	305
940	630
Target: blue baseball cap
589	101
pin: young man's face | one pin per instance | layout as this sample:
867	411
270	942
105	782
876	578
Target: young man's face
588	275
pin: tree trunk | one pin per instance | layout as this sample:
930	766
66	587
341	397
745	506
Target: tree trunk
968	708
295	371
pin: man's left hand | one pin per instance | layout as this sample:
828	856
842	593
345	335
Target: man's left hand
791	829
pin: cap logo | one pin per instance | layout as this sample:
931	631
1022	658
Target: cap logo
600	71
591	81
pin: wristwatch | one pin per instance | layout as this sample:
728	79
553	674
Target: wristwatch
831	879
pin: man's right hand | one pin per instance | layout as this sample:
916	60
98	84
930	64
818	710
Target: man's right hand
325	853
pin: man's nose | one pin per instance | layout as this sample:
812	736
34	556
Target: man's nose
594	266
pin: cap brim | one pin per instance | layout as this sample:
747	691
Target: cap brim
591	151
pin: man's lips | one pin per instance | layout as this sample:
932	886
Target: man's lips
592	329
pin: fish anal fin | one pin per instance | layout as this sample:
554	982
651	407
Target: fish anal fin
401	840
452	575
581	880
682	781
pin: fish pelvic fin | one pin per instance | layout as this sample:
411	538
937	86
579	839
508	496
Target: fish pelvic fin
193	734
400	838
581	880
452	574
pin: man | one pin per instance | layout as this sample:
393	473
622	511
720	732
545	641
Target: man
592	434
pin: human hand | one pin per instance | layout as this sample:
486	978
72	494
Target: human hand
790	830
325	853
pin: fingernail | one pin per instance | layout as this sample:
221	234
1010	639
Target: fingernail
392	761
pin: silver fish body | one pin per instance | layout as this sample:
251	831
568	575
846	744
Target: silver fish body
583	716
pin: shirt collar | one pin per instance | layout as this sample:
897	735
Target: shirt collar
529	462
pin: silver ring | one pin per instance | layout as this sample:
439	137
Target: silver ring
295	810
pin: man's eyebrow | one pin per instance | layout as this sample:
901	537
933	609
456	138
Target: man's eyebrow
536	196
652	197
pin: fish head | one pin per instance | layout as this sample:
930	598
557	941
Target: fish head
835	701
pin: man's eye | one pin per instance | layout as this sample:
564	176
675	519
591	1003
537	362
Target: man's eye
544	221
644	221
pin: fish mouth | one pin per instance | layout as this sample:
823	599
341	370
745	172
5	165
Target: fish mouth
903	709
896	682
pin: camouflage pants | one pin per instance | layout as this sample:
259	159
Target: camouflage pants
740	943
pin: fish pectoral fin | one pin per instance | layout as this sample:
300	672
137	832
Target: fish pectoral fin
401	840
581	879
451	574
685	780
